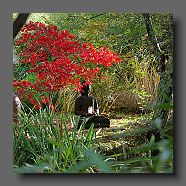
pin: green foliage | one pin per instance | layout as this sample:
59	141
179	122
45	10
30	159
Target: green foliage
163	27
93	163
38	136
20	71
72	151
42	141
124	33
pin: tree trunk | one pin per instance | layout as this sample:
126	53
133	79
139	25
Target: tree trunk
151	33
19	22
165	92
164	65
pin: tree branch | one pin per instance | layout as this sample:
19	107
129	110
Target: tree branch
96	16
151	33
19	22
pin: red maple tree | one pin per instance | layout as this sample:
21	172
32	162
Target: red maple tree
57	59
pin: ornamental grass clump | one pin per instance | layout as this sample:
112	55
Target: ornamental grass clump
44	135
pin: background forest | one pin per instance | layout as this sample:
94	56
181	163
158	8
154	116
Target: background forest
135	92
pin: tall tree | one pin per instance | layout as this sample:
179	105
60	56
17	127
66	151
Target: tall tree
164	65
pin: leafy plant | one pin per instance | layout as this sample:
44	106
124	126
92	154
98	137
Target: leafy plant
38	136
